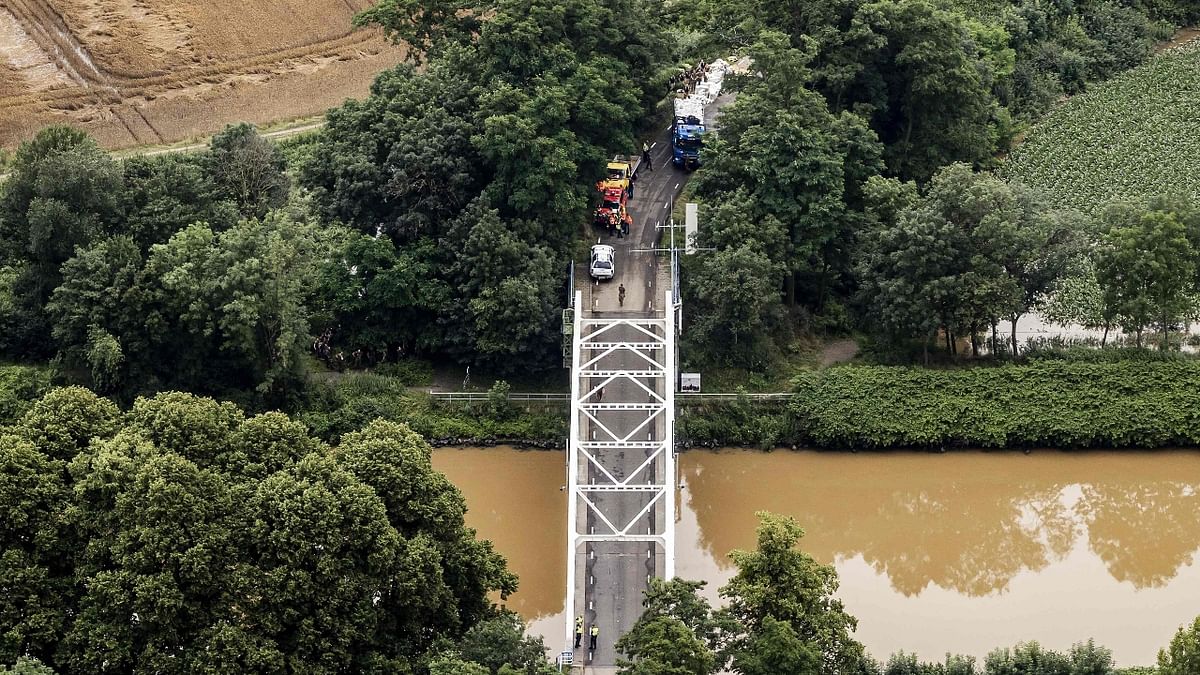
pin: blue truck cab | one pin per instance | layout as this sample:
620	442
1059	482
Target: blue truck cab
687	134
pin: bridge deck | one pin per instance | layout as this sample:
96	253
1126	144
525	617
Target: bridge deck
621	470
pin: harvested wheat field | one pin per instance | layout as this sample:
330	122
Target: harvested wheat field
136	72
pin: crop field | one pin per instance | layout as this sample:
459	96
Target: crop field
1132	137
134	72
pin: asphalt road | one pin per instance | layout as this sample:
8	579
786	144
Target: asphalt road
614	576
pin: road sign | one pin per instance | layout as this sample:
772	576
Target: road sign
566	658
691	223
689	382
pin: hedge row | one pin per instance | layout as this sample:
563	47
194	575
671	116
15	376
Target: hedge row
1047	404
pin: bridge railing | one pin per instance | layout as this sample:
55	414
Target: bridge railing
553	397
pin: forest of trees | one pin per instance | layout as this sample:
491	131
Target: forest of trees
851	187
853	175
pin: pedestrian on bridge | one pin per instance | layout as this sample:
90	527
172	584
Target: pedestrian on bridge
646	156
578	630
595	634
621	295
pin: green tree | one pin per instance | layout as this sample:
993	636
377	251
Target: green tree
230	308
973	249
736	304
663	645
777	649
782	157
1076	298
33	548
165	194
777	581
379	297
63	421
63	192
507	292
248	170
27	666
97	301
907	664
500	643
402	161
448	664
186	537
423	24
1182	656
1146	269
427	510
1089	658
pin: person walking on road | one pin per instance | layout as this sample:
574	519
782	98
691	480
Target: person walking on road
646	156
578	630
621	295
632	179
595	634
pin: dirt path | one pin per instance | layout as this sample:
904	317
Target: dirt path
838	351
152	151
1181	36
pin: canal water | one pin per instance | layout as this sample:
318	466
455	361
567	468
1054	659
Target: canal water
961	552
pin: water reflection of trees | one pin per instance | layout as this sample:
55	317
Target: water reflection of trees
970	523
1145	533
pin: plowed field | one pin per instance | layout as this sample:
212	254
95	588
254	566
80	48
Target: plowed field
134	72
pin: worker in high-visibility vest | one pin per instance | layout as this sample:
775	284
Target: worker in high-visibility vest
578	630
595	634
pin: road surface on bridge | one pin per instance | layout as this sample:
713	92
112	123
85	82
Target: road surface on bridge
611	577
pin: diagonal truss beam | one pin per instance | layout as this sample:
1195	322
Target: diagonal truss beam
616	426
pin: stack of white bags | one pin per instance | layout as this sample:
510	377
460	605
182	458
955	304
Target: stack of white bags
708	89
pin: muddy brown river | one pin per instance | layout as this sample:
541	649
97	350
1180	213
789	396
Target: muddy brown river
960	552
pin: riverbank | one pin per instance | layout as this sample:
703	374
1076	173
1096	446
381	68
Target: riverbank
1067	405
1064	405
1127	403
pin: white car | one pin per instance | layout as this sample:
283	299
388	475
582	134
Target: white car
603	262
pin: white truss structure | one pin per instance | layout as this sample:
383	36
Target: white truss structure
652	483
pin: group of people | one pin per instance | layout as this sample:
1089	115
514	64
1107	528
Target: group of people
687	80
338	360
593	634
618	224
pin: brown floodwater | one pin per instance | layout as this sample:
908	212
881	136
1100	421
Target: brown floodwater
961	552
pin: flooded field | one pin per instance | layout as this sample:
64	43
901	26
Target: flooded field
960	552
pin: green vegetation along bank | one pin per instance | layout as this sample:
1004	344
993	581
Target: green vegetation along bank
1066	405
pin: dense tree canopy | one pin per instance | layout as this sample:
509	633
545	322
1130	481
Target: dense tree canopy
969	252
186	536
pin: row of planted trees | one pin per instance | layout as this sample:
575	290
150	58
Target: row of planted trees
973	250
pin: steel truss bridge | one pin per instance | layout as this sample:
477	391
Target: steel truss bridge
621	473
